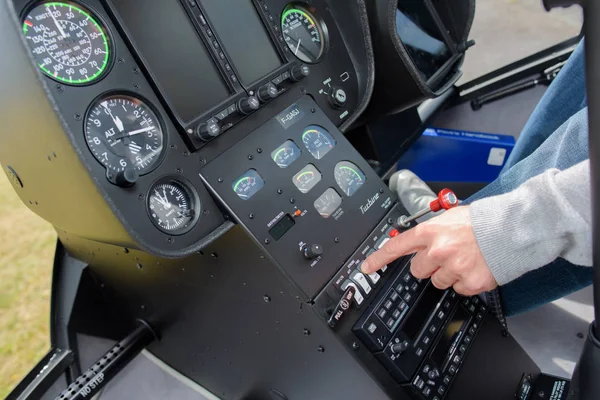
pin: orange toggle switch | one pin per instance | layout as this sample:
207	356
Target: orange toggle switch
297	213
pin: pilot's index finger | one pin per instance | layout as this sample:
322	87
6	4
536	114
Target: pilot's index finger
401	245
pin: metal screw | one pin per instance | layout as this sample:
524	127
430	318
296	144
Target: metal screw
59	88
267	241
321	349
136	71
220	180
312	110
78	117
279	191
259	150
580	335
141	197
170	240
178	170
251	216
136	86
306	332
125	250
541	393
139	265
205	212
266	298
185	154
355	346
250	157
337	240
390	221
381	190
203	161
292	200
214	255
303	91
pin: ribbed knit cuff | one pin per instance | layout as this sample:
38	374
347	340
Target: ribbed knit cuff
493	227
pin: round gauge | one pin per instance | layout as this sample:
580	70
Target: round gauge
307	178
248	184
318	141
172	206
285	154
328	203
349	177
304	34
67	42
123	132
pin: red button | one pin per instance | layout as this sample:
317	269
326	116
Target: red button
394	233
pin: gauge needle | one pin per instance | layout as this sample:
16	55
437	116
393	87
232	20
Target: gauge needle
137	132
160	199
116	120
60	29
297	47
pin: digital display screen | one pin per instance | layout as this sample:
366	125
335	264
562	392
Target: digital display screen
281	227
421	37
244	37
422	310
449	337
175	55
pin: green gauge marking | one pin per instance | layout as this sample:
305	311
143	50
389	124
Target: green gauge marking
67	42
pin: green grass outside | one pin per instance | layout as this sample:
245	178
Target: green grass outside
26	252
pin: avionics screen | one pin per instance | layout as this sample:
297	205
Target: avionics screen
449	336
425	306
244	37
421	37
175	54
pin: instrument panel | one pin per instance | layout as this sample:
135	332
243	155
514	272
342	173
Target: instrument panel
117	76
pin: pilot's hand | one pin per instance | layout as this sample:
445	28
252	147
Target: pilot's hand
447	251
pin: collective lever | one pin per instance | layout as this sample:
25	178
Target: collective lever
446	200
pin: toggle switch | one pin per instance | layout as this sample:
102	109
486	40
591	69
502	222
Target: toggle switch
446	200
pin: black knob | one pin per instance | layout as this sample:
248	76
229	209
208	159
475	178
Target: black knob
434	373
248	105
208	131
312	251
400	348
338	98
299	72
267	92
127	177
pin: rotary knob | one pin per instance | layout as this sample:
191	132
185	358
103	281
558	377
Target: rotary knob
208	131
312	251
248	105
299	72
267	92
399	348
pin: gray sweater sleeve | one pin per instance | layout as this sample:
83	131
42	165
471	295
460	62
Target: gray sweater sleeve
549	216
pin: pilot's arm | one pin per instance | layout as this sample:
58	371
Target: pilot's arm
497	239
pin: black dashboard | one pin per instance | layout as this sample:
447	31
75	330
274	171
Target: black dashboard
153	91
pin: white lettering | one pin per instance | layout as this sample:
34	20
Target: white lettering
370	203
